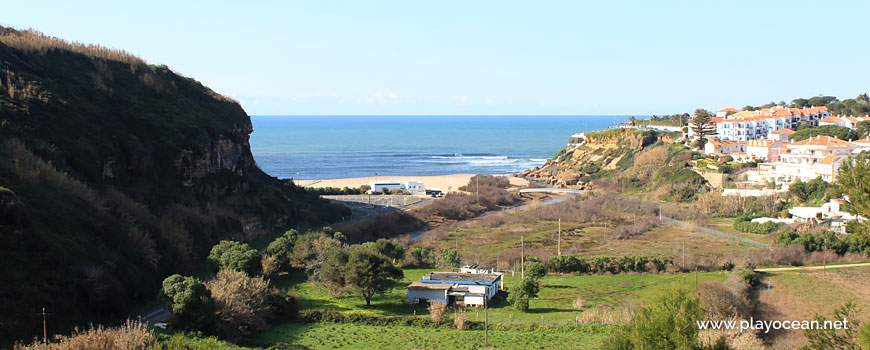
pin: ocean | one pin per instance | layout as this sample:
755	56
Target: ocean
327	147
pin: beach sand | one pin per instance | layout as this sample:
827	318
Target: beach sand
444	182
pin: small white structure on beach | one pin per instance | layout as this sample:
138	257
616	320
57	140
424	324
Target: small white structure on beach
414	187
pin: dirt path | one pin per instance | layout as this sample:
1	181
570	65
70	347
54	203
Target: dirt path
810	268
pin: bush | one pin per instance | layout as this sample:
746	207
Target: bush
579	303
191	304
535	270
130	336
241	301
420	257
743	224
459	319
437	311
235	256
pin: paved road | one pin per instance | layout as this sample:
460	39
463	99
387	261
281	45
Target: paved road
811	268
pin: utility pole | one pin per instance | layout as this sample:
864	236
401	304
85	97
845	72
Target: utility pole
559	244
522	258
44	332
496	260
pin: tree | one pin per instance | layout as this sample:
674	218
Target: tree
390	249
241	301
632	120
748	108
702	126
235	256
800	102
450	257
527	289
850	338
854	181
863	128
806	131
358	269
282	247
190	303
536	270
420	257
668	323
821	100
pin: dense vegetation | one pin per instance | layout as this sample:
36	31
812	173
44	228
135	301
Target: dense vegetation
114	174
806	131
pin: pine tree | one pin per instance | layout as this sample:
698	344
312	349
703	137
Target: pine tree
702	125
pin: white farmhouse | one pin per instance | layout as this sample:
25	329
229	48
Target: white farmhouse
455	288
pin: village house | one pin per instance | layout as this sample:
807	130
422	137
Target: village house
829	211
782	134
843	121
455	288
760	124
714	147
807	159
763	149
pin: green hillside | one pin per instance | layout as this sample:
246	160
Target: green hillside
115	173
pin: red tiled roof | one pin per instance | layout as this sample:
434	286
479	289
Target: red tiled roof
822	141
832	159
783	132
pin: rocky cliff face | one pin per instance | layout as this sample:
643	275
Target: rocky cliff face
585	158
115	173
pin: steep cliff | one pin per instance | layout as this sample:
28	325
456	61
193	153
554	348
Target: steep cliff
621	159
115	173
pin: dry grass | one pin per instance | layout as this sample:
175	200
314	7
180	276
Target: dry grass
606	315
799	295
579	303
130	336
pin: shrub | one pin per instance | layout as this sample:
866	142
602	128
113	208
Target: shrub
130	336
459	319
579	303
420	257
235	256
437	311
241	301
269	266
191	304
535	270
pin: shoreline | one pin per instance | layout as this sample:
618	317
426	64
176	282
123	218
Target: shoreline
447	183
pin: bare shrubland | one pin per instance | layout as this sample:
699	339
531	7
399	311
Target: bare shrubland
130	336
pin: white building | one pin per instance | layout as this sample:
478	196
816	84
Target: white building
827	211
751	125
844	121
715	146
808	159
413	187
455	288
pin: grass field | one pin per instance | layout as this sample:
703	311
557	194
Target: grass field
327	335
477	242
553	305
799	295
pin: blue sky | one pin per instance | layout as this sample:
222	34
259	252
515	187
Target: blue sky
483	57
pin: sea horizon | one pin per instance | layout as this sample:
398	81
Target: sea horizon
317	147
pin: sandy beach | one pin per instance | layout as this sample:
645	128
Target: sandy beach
444	182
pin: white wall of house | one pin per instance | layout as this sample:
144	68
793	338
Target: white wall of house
431	295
